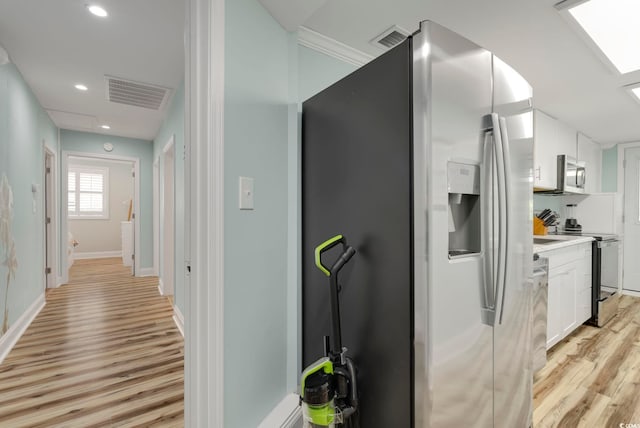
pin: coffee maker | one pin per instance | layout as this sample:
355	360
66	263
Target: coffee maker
571	223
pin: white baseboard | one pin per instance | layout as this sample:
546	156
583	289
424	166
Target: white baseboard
17	329
160	287
97	255
178	318
630	293
59	281
287	414
147	272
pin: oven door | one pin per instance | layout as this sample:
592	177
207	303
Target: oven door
608	298
609	264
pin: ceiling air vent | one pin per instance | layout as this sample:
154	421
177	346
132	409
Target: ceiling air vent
390	37
136	93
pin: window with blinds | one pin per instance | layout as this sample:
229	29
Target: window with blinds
88	192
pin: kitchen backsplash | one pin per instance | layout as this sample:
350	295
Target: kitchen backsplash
598	212
554	203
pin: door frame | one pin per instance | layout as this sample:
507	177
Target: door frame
204	217
156	216
166	289
49	203
65	205
620	220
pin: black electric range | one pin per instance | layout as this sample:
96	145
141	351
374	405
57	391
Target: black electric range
604	276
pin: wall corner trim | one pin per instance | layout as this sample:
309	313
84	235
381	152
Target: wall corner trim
17	329
328	46
178	318
149	271
287	414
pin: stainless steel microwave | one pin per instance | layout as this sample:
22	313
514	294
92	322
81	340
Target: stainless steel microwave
571	175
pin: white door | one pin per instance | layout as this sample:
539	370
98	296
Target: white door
631	280
49	197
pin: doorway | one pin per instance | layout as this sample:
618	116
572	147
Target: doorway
631	220
100	200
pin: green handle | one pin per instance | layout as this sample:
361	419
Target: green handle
325	246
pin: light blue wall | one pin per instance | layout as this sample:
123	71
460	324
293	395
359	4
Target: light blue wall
24	126
263	95
610	170
86	142
318	71
256	137
174	125
309	73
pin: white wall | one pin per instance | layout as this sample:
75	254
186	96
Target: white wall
101	235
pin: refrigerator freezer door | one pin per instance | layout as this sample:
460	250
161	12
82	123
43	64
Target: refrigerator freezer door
356	164
513	326
453	347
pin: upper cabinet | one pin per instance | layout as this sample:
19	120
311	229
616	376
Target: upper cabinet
591	153
551	138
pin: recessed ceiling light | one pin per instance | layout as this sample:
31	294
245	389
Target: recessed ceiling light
97	10
105	127
613	26
81	87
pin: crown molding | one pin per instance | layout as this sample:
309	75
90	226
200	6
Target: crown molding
326	45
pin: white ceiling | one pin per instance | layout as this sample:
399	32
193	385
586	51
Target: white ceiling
570	81
56	44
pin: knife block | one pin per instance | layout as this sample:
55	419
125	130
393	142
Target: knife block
538	227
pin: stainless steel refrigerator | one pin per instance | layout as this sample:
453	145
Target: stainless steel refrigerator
423	159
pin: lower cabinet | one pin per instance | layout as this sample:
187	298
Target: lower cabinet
569	295
561	312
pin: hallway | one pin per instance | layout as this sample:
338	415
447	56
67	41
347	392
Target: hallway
103	352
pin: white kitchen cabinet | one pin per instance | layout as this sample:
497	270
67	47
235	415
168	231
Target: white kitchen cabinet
551	138
591	153
561	312
569	298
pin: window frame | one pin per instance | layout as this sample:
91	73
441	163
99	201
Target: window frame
78	215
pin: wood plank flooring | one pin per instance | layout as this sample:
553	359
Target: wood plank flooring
104	352
592	377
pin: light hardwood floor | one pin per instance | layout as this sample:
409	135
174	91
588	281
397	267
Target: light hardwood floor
104	352
592	378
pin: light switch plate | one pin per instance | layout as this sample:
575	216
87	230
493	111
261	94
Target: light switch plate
246	193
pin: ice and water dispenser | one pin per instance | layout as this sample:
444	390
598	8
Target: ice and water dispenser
463	183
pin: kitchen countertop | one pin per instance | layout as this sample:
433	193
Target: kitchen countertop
558	241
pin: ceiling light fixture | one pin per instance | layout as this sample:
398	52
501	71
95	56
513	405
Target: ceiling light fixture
105	127
97	10
81	87
612	25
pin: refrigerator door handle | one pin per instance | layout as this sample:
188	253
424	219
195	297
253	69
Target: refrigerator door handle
494	186
504	223
502	209
487	310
